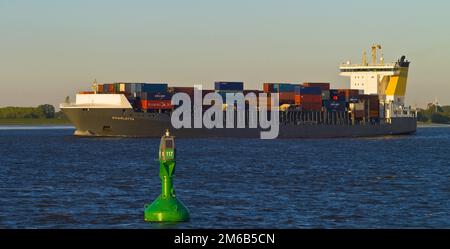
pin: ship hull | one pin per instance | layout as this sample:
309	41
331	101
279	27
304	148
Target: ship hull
127	123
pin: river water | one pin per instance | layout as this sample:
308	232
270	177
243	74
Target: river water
51	179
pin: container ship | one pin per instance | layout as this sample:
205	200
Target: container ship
373	105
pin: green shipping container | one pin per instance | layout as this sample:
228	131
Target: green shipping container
325	94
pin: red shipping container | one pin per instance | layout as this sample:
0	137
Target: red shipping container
156	104
313	99
311	106
111	88
268	87
323	86
290	102
287	96
204	92
371	100
187	90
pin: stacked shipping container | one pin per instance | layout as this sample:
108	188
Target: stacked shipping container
308	98
286	92
322	86
224	87
372	104
155	100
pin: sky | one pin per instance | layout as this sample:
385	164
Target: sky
50	49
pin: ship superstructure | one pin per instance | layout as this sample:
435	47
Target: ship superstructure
387	80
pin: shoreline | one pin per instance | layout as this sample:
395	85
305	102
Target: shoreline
33	122
427	125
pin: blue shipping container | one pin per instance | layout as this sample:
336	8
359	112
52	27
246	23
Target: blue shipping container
128	87
154	87
301	90
353	99
154	96
224	95
159	96
228	86
336	96
284	87
105	88
335	105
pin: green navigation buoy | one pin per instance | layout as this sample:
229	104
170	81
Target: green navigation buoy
166	207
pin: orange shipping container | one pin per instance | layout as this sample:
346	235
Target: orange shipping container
268	87
374	114
287	96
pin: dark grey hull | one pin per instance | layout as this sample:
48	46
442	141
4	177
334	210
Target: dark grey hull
118	122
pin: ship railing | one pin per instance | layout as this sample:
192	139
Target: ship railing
299	117
381	65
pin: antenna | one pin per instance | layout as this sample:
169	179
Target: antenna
364	58
374	52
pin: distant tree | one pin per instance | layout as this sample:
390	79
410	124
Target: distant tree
440	118
422	117
446	110
47	111
60	115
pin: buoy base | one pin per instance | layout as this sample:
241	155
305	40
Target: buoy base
168	209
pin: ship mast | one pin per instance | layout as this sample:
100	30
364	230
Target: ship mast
95	86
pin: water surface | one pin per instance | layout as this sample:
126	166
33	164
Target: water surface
51	179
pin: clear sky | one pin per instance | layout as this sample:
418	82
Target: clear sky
52	48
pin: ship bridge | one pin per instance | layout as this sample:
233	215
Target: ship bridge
387	80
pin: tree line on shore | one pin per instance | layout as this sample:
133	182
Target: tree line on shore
42	111
434	114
